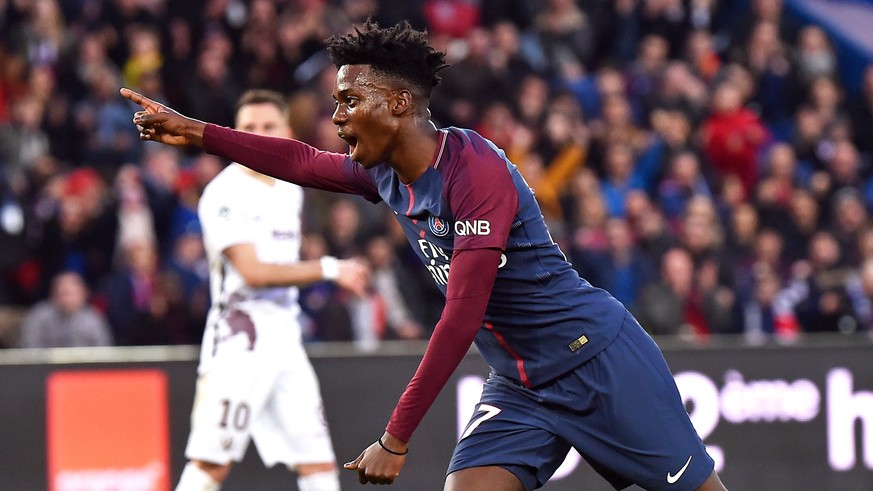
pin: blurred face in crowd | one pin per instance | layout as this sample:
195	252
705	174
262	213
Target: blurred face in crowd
845	162
782	161
532	97
768	9
142	258
825	94
824	251
745	222
617	110
727	99
344	220
69	292
619	161
768	246
653	52
677	269
850	213
685	169
618	234
804	210
379	252
766	288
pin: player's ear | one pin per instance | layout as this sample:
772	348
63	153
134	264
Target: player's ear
401	101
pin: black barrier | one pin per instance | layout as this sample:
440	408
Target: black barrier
775	418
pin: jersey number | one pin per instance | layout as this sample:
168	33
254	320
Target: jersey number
240	417
489	412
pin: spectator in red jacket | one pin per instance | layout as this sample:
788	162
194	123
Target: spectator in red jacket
733	137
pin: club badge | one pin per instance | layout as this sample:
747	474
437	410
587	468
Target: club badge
438	226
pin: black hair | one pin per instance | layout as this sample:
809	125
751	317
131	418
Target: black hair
262	96
399	51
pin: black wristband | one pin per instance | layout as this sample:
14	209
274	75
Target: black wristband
392	452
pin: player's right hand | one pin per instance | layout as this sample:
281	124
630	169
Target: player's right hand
354	276
376	466
157	122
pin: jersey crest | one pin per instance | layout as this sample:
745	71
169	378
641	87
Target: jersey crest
438	226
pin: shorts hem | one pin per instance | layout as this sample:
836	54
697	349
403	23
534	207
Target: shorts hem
527	480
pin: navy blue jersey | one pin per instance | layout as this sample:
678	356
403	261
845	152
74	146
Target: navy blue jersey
542	319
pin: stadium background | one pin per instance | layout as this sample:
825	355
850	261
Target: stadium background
607	108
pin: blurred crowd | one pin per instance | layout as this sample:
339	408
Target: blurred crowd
699	159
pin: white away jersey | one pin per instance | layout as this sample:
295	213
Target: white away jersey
236	208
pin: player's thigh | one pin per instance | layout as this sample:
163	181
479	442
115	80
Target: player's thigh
511	430
292	427
296	398
229	397
490	478
639	431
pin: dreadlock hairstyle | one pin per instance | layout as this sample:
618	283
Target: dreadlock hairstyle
399	50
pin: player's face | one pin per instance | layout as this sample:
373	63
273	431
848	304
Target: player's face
363	114
263	119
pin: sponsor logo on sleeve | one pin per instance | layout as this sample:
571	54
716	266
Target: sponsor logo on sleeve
472	227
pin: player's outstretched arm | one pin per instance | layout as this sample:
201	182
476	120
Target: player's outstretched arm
157	122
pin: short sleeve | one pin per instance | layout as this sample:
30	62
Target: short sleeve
225	221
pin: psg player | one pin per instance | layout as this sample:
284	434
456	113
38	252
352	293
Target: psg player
570	367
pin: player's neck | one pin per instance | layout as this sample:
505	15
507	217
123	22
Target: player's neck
415	152
257	175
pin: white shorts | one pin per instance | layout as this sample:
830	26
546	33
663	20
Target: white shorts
258	385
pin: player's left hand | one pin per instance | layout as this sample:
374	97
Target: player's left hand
377	466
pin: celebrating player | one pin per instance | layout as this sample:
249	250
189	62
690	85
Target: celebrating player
255	380
570	366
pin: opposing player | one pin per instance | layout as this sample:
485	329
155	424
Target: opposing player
570	366
255	380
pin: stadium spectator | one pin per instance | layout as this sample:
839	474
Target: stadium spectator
682	181
860	107
733	136
860	289
565	32
66	319
760	313
131	296
823	303
667	306
388	284
621	269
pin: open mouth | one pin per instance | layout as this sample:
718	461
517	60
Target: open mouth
351	140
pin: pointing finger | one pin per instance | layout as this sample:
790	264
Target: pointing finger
138	98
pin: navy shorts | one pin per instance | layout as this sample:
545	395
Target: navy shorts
620	410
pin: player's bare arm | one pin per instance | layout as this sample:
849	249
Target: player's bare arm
157	122
351	274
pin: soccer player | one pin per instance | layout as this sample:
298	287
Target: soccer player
255	380
570	366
